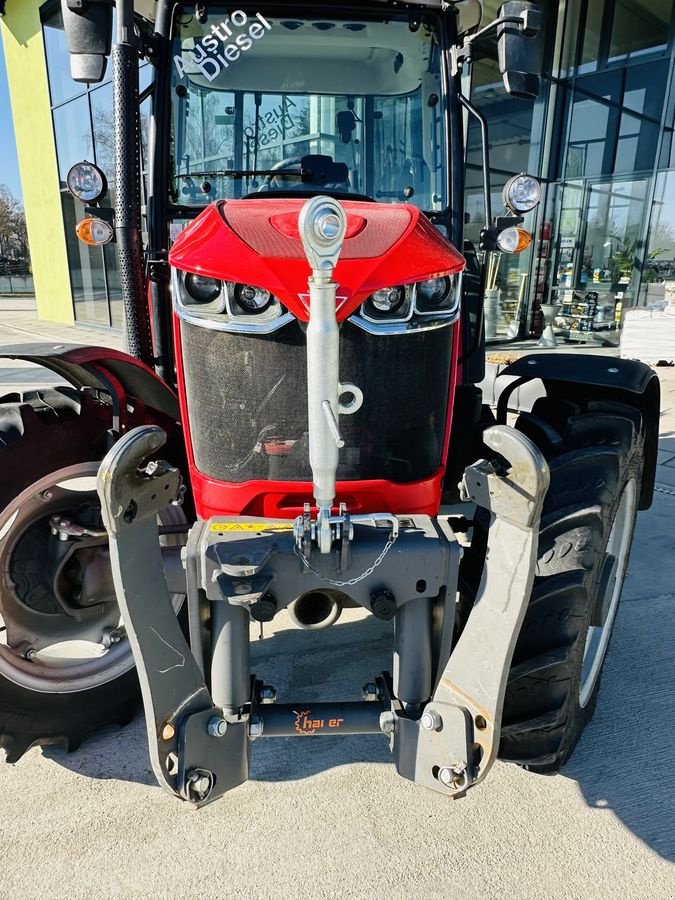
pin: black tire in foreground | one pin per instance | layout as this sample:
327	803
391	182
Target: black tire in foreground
61	677
595	454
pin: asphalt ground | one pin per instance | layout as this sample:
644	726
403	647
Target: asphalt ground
329	817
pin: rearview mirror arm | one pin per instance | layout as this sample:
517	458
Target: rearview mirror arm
459	56
480	118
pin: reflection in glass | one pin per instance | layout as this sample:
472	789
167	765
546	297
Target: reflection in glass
639	26
73	135
590	49
87	271
61	85
367	93
104	132
659	265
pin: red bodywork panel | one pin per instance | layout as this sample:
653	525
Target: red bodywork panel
257	242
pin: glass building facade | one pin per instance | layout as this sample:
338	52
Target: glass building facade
83	129
600	137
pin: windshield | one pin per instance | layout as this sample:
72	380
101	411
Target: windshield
266	103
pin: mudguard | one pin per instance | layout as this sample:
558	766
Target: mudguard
572	376
100	368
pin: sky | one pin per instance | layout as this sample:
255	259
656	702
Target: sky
9	167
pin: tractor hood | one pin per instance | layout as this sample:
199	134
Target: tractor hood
257	242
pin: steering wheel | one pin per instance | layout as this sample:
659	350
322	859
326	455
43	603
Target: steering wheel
283	181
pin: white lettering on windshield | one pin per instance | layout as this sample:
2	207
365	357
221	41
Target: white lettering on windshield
224	45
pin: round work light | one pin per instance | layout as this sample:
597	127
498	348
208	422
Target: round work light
86	182
521	193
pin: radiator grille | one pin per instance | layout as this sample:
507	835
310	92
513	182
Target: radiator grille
247	412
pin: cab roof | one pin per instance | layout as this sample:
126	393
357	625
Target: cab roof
469	11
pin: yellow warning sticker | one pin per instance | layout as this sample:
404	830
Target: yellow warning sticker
252	526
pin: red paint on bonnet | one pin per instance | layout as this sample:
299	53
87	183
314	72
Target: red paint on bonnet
397	245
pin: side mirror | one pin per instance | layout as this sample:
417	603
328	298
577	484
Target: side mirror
520	53
88	27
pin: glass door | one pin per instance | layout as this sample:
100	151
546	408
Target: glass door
598	259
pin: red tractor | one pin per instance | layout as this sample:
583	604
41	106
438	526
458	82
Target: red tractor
305	345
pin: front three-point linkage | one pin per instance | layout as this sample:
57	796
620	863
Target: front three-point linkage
197	752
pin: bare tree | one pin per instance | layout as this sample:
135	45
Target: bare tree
13	235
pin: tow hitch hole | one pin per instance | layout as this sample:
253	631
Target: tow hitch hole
130	512
481	724
421	586
171	763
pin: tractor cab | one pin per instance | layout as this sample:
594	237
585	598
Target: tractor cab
350	105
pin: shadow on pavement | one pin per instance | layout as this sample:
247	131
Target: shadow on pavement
624	761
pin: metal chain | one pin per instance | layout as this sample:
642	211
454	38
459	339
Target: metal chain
352	581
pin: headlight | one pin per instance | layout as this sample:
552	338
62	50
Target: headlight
436	294
202	289
521	193
388	300
226	305
390	303
252	300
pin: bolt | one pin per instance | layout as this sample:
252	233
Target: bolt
113	636
268	694
46	495
216	726
255	727
242	587
370	692
431	720
453	776
199	783
30	653
383	605
387	722
168	732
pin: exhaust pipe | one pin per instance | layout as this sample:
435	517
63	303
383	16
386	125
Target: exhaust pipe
316	610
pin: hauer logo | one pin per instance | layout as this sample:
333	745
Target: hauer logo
216	51
306	723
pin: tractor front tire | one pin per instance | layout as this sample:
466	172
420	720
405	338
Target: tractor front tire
596	454
61	677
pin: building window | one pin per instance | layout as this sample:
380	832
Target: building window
83	129
639	27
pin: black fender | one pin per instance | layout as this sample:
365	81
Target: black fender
577	376
101	368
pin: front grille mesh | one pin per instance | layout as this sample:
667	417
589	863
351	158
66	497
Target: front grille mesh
247	403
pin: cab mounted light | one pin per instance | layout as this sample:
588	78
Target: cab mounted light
95	232
513	240
86	182
521	193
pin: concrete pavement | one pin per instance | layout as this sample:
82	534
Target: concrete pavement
330	818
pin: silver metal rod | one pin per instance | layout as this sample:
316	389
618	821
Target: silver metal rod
323	360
